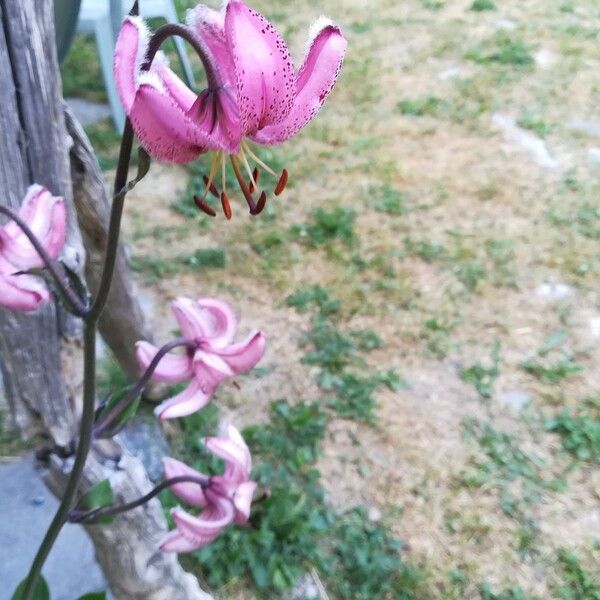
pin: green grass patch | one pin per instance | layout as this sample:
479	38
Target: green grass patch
483	377
502	49
482	5
420	107
326	226
580	430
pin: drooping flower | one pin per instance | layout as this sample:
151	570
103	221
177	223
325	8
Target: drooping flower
46	216
211	325
253	92
226	499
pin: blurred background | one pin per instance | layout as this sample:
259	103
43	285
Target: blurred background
427	414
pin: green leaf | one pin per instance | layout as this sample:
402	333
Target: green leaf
99	495
40	590
144	162
119	421
93	596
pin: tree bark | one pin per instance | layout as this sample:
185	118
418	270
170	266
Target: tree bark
122	322
39	353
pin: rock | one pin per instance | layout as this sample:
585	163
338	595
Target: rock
594	155
27	509
144	438
515	399
591	128
544	58
374	514
554	291
305	589
451	73
505	24
531	143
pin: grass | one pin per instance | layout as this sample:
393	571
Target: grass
483	377
579	430
502	49
410	234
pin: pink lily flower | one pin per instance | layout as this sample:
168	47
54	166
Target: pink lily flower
46	216
211	325
254	93
226	500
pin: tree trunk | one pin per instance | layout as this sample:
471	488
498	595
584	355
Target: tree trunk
122	322
40	353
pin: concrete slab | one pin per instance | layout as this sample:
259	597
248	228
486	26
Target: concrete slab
88	112
26	509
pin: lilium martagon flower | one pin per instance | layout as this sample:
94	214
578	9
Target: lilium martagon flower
211	325
46	216
227	498
254	95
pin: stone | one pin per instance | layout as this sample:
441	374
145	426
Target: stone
591	128
27	509
526	140
144	438
594	155
554	291
515	399
305	589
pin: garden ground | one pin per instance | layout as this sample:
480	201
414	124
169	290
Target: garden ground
428	284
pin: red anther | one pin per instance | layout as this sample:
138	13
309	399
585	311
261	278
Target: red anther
226	206
281	183
255	177
260	204
204	207
211	188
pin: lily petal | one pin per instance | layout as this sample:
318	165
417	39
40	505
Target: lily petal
210	370
209	24
198	531
172	368
242	501
264	73
208	318
20	292
192	493
314	82
190	400
163	126
243	356
232	449
46	216
130	53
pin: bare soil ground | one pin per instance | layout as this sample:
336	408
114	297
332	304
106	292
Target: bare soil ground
477	230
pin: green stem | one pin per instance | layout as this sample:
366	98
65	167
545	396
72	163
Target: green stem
87	420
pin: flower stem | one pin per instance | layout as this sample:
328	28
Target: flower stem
163	33
89	350
59	278
94	516
138	388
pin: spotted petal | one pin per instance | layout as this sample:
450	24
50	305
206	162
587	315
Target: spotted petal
264	72
209	24
314	82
